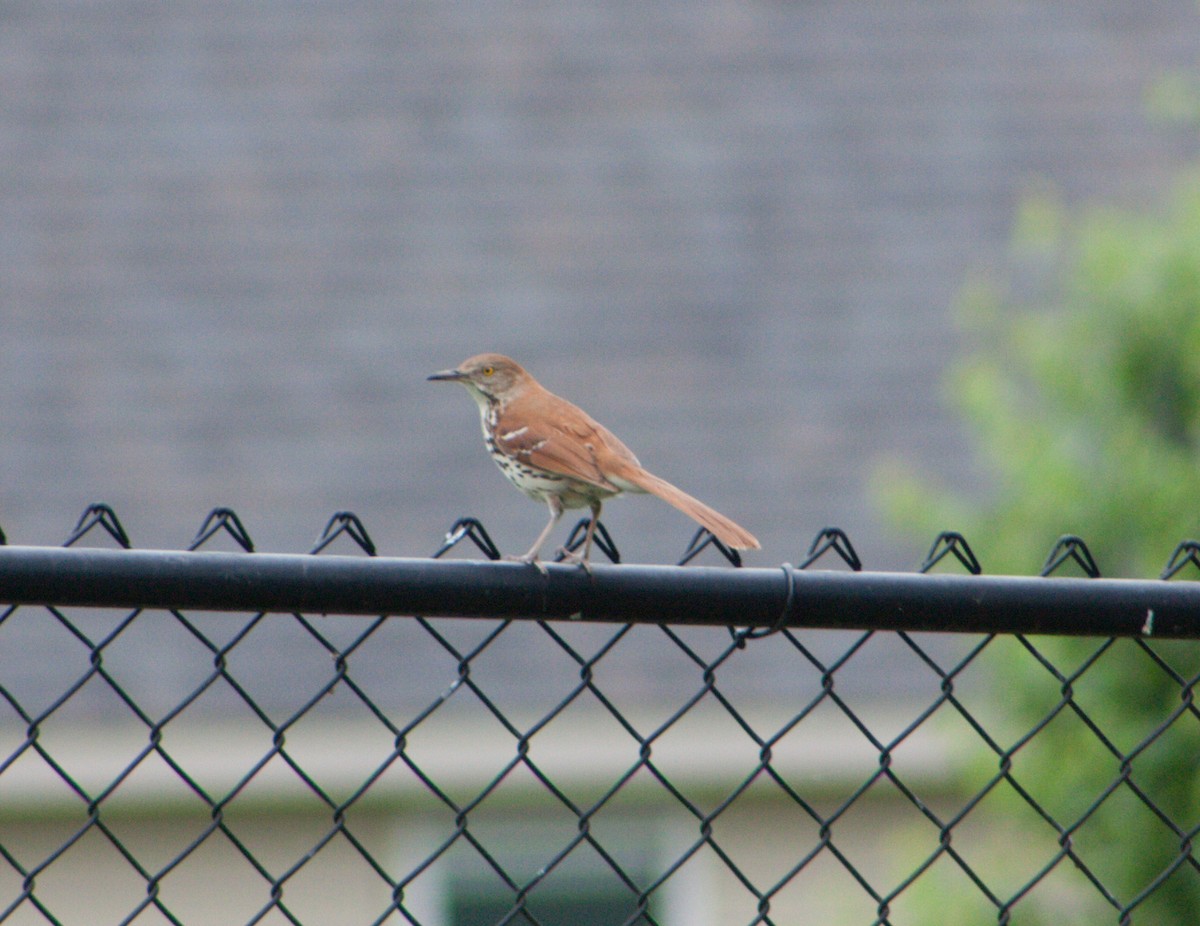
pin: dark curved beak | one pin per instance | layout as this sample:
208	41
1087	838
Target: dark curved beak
449	375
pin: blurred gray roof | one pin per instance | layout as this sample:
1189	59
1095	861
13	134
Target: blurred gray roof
235	238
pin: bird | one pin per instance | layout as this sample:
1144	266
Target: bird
556	453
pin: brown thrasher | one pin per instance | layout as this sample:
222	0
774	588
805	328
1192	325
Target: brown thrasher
554	452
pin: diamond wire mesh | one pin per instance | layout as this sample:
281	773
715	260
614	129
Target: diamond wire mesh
787	777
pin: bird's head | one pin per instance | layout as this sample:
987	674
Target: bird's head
488	377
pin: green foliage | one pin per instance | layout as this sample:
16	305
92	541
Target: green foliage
1174	99
1084	397
1086	409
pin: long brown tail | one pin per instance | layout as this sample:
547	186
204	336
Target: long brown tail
729	533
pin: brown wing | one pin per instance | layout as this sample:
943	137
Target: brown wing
552	434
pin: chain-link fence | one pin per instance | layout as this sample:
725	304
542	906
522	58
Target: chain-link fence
182	765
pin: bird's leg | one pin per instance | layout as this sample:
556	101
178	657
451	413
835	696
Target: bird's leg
531	557
572	557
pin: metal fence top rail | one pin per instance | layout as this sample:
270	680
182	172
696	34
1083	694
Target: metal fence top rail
751	597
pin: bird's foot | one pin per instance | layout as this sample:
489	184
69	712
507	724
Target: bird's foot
529	559
570	556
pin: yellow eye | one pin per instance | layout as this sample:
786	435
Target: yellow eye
488	371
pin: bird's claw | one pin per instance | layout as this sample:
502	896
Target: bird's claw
570	556
529	561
